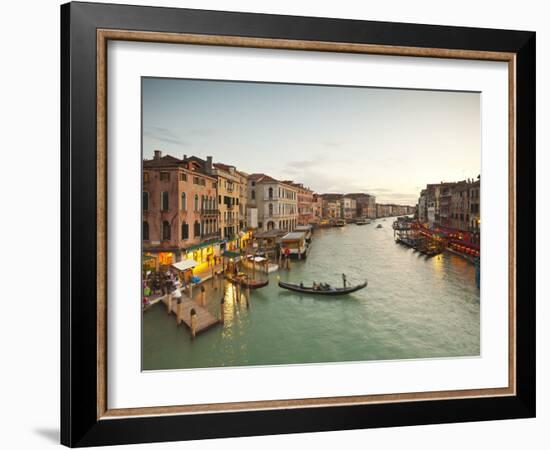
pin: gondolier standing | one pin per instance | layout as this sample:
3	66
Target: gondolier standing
344	279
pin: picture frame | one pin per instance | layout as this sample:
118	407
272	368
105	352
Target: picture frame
86	418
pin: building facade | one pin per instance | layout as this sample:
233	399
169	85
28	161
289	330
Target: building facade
331	208
452	205
305	203
365	204
179	207
348	208
232	220
317	208
276	202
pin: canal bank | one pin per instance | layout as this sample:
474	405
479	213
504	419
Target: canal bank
413	307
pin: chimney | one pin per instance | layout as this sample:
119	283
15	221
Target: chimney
208	163
184	157
158	154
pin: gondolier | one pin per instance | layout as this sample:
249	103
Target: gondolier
344	279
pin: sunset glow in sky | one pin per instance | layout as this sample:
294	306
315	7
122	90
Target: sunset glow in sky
386	142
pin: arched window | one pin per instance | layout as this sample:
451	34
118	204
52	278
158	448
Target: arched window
270	193
253	194
165	231
271	209
184	231
145	231
183	201
145	201
164	201
197	228
196	202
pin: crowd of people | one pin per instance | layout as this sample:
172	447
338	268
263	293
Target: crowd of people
161	283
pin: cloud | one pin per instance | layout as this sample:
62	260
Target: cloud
332	144
164	135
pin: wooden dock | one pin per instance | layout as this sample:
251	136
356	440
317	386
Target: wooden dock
204	318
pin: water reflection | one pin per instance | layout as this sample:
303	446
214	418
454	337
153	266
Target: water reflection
413	307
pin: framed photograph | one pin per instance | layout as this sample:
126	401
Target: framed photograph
278	224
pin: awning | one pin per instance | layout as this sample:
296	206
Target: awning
185	264
228	254
204	244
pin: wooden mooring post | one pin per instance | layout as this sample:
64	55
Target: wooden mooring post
222	310
203	295
193	323
179	312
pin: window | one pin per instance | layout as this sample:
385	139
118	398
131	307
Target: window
184	231
165	176
253	194
164	201
270	192
196	202
197	229
145	177
145	201
165	231
271	209
145	231
195	180
183	177
183	201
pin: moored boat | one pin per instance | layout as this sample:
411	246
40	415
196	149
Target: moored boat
363	222
340	223
243	280
329	290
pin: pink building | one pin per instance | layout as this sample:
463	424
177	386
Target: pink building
305	203
179	206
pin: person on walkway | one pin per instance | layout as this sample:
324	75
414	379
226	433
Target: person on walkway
177	295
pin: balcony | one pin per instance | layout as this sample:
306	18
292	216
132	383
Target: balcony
209	212
210	236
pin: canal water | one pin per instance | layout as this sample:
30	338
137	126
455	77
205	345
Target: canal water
413	307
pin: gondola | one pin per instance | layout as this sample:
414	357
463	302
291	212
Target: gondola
330	291
246	282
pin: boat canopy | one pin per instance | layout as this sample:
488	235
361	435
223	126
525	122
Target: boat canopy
259	259
293	236
185	264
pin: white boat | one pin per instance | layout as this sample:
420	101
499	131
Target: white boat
363	222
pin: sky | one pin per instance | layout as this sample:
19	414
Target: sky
386	142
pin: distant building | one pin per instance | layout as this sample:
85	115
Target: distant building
331	208
348	207
454	205
317	208
422	208
365	204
